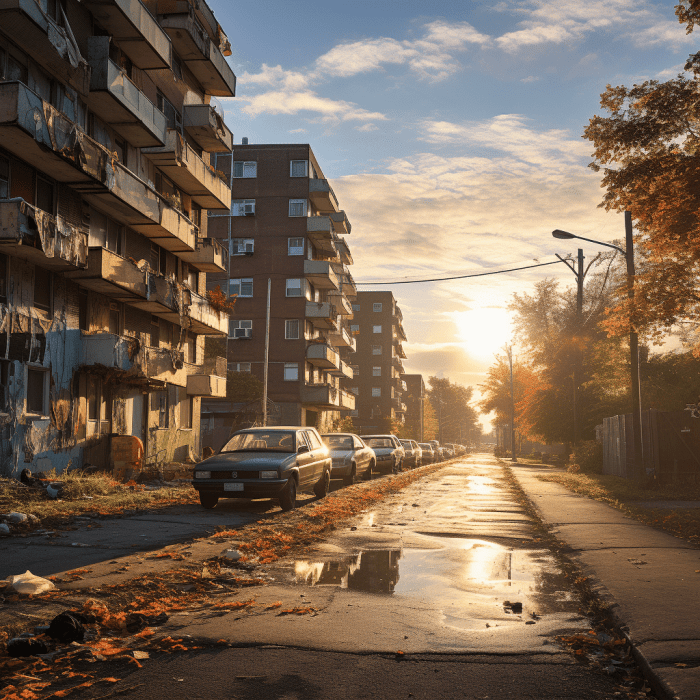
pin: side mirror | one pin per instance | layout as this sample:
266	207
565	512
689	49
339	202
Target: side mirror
302	449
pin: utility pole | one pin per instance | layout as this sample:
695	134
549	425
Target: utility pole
267	352
509	350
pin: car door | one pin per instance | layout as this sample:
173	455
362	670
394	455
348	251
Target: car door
318	454
361	455
305	461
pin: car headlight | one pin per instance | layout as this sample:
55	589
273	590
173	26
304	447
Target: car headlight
268	475
202	475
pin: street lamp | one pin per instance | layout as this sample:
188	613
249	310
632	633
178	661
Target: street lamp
628	252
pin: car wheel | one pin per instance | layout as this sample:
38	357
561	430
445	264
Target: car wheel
323	485
368	473
208	500
350	479
288	499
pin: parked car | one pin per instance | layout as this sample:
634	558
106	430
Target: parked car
413	453
273	462
388	450
351	457
439	451
428	453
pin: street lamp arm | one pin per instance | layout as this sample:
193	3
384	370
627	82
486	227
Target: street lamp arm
565	234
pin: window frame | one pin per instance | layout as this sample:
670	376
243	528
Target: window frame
238	206
377	307
296	250
246	242
302	202
376	371
235	324
374	329
289	324
44	373
245	167
376	392
291	367
241	282
287	287
376	349
291	168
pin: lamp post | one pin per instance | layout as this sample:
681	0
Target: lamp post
628	252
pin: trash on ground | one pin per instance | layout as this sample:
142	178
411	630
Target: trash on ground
29	584
23	646
4	529
232	554
67	627
515	608
17	518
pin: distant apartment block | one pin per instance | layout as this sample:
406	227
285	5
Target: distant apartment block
377	326
107	136
287	226
415	398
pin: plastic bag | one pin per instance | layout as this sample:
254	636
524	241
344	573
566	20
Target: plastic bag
29	584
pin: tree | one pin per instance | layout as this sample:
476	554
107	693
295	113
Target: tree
243	387
647	147
455	417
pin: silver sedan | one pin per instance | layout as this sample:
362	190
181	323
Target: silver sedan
351	458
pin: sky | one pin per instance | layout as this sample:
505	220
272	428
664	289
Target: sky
451	133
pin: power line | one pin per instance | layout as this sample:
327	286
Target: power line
458	277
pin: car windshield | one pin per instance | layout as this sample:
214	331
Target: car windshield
379	442
338	442
261	441
406	443
425	446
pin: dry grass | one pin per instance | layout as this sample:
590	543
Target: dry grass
625	494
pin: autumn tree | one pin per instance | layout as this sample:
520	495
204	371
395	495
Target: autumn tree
647	148
455	417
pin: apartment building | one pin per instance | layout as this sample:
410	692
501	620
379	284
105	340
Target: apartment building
414	398
286	227
377	384
107	130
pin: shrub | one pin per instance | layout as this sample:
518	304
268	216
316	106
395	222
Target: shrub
589	457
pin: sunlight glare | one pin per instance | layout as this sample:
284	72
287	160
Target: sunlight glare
483	331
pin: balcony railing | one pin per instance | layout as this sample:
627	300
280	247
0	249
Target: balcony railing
112	275
341	302
30	233
340	222
118	102
46	41
199	53
343	370
209	385
322	314
322	355
327	396
319	230
206	126
140	36
209	256
113	352
341	338
321	274
343	249
322	195
178	160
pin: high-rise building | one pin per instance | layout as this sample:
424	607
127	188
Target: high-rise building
107	130
285	228
377	366
414	398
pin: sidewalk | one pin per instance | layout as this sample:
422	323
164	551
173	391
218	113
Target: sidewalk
650	579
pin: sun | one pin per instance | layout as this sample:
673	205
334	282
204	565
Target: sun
483	331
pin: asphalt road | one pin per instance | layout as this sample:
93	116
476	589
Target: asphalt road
443	591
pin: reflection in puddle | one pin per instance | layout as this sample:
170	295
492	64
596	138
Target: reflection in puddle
468	580
372	571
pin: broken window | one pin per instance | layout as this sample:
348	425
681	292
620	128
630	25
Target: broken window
37	391
45	195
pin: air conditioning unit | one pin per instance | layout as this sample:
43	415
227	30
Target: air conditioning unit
242	332
249	209
248	249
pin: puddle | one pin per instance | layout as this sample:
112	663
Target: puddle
469	580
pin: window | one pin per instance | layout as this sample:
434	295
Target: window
160	403
122	153
299	168
241	246
3	278
242	207
105	233
45	195
37	391
172	116
355	370
294	288
191	348
185	409
83	310
298	207
312	437
4	178
376	307
376	349
4	380
190	277
42	289
291	371
245	168
243	287
295	246
376	329
354	328
291	329
376	371
240	329
239	366
355	307
376	391
115	318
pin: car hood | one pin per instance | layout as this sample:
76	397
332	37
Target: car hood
251	461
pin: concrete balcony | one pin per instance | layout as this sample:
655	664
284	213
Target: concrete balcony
206	126
199	53
183	307
322	314
112	275
341	338
397	363
347	283
340	222
51	242
343	250
342	370
399	330
48	43
319	230
398	314
341	302
179	161
327	396
118	102
46	139
347	401
322	196
136	29
323	356
398	349
320	274
209	385
209	256
112	352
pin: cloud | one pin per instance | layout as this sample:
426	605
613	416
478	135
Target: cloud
368	127
529	79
